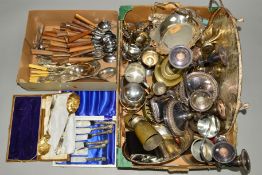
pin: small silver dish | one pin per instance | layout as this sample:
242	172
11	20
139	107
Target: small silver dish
201	150
159	88
201	80
180	57
224	152
209	126
201	100
150	58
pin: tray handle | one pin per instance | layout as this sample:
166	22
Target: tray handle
178	170
169	6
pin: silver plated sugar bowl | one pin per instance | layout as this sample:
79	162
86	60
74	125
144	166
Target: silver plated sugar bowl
132	96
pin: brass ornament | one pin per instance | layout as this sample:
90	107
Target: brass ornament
168	72
160	71
145	132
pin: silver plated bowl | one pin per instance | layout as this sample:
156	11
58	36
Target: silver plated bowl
182	27
132	96
201	100
206	146
202	80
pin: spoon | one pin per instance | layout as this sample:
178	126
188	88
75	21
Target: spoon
109	58
43	145
72	105
103	74
67	72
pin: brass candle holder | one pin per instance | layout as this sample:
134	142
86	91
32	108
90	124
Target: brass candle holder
145	132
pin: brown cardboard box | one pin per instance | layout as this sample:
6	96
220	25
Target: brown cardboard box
233	78
38	18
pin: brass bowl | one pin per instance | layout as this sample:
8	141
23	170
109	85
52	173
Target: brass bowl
174	79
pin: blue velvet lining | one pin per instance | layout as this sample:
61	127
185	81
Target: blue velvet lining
98	103
24	131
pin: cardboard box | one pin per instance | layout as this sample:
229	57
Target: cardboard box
231	97
38	18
